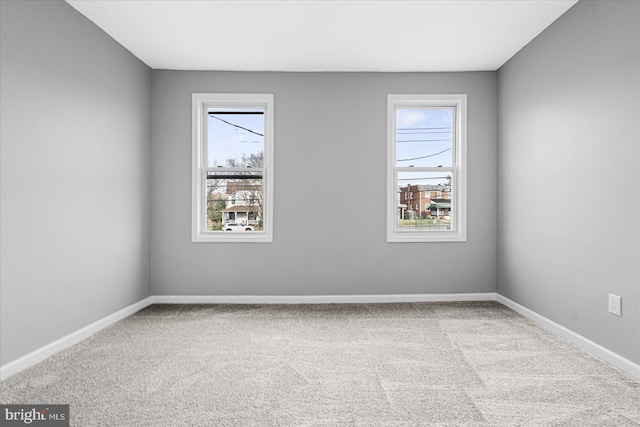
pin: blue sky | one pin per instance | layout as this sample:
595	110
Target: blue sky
420	135
231	142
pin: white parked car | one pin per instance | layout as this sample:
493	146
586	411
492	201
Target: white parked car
232	226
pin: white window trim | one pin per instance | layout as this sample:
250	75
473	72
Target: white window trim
459	169
201	102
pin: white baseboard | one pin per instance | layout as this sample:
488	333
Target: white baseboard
42	353
586	344
319	299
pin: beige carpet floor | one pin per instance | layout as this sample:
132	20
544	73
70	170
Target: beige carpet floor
420	364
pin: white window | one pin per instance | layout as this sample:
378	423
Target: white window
232	181
426	148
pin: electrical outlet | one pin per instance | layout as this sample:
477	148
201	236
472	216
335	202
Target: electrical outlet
615	305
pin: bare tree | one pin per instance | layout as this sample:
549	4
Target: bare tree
246	186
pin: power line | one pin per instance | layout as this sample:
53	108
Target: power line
232	124
424	178
424	157
423	132
445	127
424	140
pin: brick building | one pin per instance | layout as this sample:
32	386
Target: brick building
424	201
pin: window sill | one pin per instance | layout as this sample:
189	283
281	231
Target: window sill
413	237
232	237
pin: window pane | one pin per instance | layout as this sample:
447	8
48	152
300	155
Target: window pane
424	200
423	137
235	138
235	201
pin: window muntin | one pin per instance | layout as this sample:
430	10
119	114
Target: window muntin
426	195
232	168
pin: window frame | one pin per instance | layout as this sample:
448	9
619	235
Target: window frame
458	168
200	104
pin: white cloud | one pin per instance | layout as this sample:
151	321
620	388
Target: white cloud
408	118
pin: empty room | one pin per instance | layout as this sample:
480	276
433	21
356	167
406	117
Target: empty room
320	213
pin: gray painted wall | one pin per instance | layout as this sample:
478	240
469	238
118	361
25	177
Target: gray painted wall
569	108
78	198
75	164
330	171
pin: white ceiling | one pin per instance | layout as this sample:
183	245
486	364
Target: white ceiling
327	35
